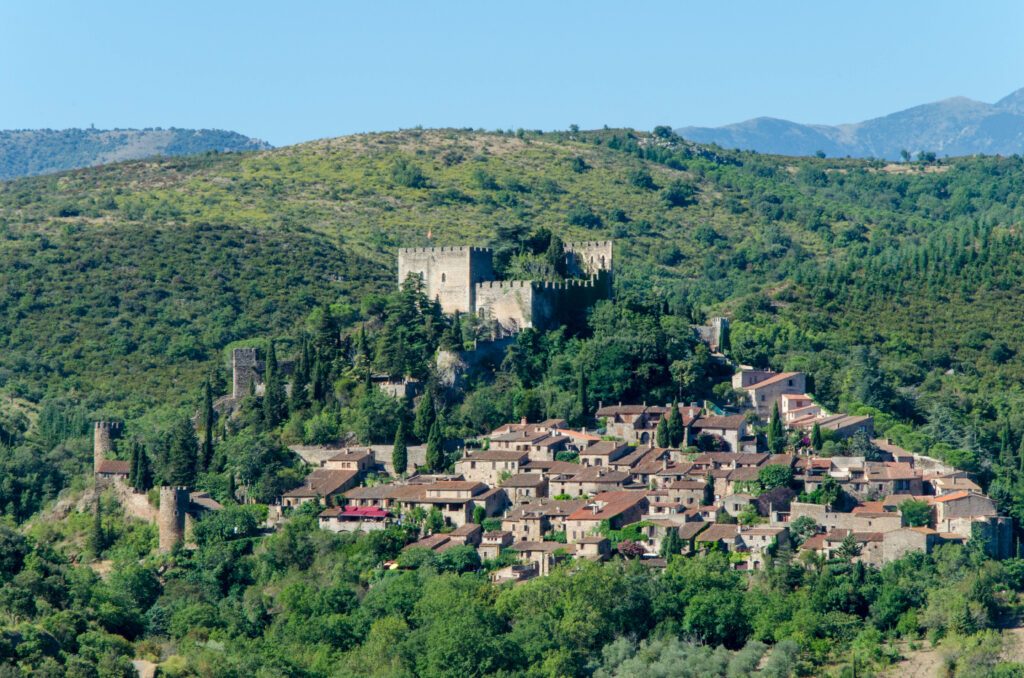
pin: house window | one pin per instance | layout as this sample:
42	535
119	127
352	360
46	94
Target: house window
790	381
444	277
762	397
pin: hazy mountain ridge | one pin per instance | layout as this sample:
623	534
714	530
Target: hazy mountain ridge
955	126
41	151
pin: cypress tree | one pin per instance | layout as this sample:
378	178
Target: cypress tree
321	379
145	473
399	453
98	537
776	436
183	455
676	432
672	544
231	486
435	451
274	398
425	416
133	475
724	344
661	435
582	396
1005	447
206	455
300	379
816	441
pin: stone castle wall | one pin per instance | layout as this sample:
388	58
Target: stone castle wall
518	304
462	280
449	273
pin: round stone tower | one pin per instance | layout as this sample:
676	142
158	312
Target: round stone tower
103	435
170	519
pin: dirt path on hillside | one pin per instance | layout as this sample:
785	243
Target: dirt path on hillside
929	662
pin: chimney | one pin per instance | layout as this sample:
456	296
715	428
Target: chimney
664	464
594	508
523	421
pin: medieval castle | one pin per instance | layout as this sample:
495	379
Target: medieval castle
462	279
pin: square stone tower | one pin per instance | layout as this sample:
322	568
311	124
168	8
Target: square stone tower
449	274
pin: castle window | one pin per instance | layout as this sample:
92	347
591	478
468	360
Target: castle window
443	277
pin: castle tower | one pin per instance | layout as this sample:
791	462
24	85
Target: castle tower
244	367
103	435
589	258
449	274
170	519
719	332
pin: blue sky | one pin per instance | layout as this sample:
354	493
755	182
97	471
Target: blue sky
290	71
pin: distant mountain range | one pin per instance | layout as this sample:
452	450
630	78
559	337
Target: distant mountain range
40	151
957	126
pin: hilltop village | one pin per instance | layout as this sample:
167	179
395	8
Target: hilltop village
642	481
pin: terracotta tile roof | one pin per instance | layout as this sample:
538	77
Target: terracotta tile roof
579	435
952	496
891	470
687	485
744	473
717	532
540	507
523	480
455	486
322	483
467	530
497	455
692	529
604	448
351	455
814	543
203	501
114	467
781	376
600	474
732	422
608	505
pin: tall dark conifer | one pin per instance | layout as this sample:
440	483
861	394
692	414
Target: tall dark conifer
182	455
300	379
206	453
435	447
275	404
676	431
400	453
426	415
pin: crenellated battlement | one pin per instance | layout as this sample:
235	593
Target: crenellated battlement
462	280
454	249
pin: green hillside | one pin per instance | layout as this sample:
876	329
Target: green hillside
123	280
121	287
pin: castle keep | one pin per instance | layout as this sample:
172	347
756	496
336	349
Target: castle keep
462	279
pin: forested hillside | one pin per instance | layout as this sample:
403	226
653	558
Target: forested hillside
42	151
124	278
122	287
